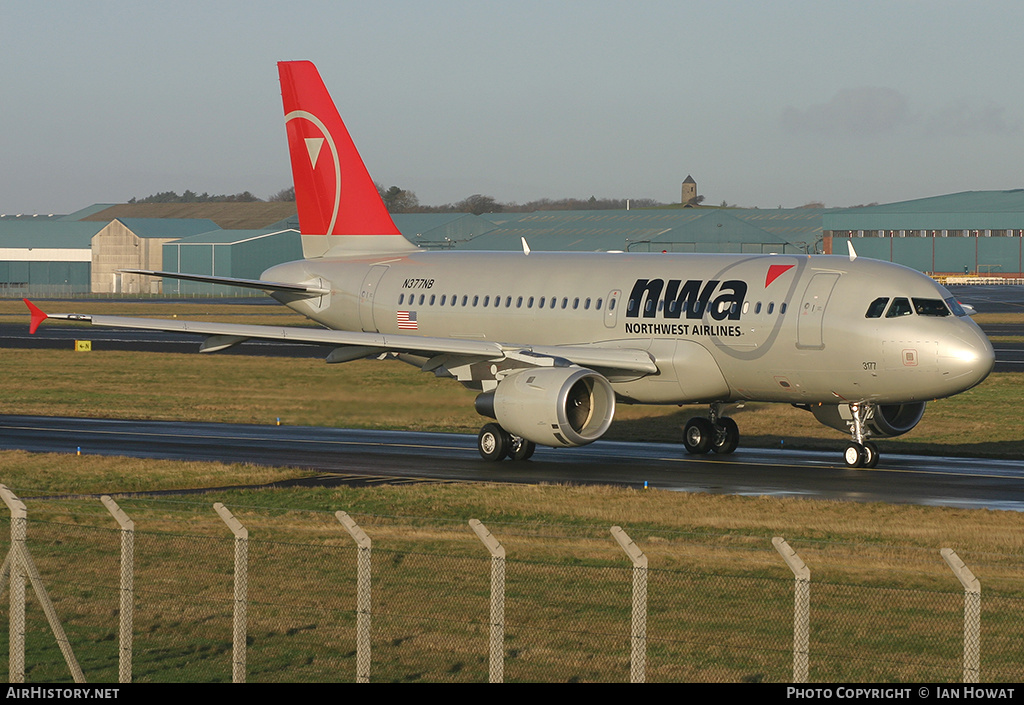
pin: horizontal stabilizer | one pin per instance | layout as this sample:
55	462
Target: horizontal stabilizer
232	281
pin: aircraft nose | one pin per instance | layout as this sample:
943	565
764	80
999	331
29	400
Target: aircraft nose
967	358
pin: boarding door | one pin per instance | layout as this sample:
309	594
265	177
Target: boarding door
811	316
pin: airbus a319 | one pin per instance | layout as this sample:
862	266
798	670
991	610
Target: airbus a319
553	341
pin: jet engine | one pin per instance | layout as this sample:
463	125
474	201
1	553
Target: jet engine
559	406
885	420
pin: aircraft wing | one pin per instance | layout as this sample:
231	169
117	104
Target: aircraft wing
351	345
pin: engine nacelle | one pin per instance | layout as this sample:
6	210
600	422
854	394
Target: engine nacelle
885	420
554	406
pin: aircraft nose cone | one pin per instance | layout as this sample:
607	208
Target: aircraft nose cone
967	358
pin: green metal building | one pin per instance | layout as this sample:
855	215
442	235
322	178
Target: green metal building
975	232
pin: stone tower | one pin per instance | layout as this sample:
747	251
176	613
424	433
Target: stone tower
689	190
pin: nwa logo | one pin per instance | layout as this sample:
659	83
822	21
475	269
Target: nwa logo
691	298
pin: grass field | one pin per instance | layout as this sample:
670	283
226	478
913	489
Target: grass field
885	607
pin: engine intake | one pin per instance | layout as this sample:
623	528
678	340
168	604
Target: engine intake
561	406
885	421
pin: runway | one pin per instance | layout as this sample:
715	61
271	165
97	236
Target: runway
366	457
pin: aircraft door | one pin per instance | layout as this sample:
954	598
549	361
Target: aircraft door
811	316
367	294
611	308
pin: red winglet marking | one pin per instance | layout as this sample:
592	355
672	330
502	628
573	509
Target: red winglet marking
37	316
775	271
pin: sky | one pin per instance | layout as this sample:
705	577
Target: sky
765	104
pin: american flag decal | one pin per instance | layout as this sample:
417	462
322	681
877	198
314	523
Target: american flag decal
406	320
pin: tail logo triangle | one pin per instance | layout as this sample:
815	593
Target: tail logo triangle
313	145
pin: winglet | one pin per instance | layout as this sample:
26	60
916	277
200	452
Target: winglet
37	316
526	247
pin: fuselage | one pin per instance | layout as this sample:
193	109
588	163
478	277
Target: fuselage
779	328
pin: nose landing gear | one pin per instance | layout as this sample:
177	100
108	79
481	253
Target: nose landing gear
860	453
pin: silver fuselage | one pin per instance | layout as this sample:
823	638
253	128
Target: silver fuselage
778	328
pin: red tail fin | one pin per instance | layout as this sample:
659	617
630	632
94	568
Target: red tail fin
334	193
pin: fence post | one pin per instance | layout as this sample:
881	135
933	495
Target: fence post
972	615
497	638
638	626
16	638
363	546
801	609
21	558
241	591
127	601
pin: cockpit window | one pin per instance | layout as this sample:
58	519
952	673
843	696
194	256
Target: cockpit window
930	307
899	307
877	307
955	307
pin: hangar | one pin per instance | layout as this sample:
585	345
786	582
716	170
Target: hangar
45	255
974	232
793	230
229	253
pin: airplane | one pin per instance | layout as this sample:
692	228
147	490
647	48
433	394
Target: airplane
552	341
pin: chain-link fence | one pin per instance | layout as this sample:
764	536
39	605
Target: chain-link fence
718	609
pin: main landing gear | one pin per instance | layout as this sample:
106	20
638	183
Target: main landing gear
860	453
495	443
716	433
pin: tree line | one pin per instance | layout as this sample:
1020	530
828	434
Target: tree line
399	200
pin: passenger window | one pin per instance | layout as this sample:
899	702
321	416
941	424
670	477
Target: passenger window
757	309
899	307
401	298
598	306
431	299
930	307
519	302
877	307
540	304
771	307
782	308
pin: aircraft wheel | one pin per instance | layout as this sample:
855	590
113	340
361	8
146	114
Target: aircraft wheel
521	449
698	435
870	455
726	437
855	455
493	442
